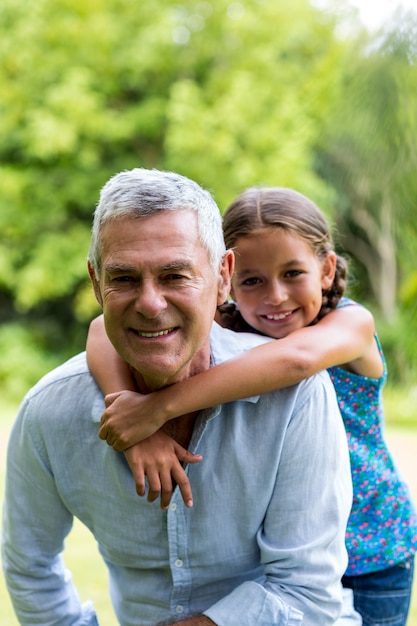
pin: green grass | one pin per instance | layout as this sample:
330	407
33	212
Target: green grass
400	407
81	554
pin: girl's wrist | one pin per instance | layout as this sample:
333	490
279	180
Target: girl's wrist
170	405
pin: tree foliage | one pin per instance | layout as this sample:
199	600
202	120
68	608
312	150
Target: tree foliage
369	154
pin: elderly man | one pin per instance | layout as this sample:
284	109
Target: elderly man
264	542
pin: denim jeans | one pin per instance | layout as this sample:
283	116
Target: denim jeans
383	598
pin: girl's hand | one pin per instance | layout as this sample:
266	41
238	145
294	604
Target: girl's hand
129	418
158	458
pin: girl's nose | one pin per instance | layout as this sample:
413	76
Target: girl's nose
275	293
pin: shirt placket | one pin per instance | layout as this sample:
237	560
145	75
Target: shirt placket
178	555
178	532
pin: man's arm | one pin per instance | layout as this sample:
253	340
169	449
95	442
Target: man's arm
301	539
35	523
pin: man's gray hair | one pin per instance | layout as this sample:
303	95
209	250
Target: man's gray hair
140	193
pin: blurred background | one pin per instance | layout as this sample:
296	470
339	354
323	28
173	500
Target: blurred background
320	96
231	94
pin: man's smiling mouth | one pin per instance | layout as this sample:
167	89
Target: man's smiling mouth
158	333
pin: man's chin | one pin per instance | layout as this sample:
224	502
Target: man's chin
155	377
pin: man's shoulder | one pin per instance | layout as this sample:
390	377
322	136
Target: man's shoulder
66	404
226	343
75	366
69	380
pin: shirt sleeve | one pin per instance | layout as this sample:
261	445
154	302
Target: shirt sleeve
40	587
302	539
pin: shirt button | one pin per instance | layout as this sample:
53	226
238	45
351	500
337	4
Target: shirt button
179	608
173	506
179	563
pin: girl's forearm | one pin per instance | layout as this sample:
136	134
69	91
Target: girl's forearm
274	365
255	372
270	366
108	368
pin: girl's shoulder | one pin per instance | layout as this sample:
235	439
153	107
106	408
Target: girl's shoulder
361	311
363	315
345	301
365	319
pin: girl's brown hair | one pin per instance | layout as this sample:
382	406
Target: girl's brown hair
257	209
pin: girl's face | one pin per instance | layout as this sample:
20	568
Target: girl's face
278	281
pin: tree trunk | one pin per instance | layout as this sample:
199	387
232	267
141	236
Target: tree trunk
376	250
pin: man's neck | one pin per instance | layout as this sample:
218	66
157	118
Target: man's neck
180	428
149	383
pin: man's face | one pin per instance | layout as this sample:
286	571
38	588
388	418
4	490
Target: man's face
159	294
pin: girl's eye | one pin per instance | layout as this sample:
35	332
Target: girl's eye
294	273
248	282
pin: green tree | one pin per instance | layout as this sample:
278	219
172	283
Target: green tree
254	117
229	93
369	154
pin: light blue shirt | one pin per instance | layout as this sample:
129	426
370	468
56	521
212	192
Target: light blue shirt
263	544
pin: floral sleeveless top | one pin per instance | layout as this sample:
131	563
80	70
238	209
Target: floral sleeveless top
382	527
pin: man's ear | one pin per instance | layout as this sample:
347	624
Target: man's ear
328	270
96	284
225	277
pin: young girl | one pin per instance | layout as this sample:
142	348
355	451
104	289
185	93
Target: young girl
288	284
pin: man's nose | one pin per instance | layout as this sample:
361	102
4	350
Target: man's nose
275	293
150	300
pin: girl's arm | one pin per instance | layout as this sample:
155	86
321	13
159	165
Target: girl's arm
158	457
108	368
344	337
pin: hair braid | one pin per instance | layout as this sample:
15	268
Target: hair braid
332	295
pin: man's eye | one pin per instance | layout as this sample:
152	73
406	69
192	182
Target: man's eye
174	277
122	279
